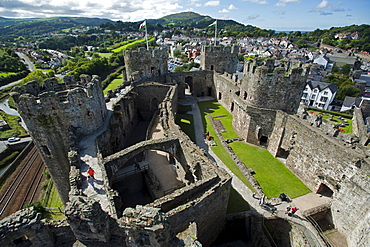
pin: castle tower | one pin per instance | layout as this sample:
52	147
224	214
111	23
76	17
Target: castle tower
219	58
274	87
144	63
54	113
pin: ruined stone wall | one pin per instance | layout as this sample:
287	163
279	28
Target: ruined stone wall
27	227
149	96
144	63
200	82
250	123
359	128
52	116
219	58
121	124
318	158
270	87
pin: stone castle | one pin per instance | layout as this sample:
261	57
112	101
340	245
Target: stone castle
181	195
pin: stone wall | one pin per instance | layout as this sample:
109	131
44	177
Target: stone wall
267	86
200	83
219	58
317	158
143	63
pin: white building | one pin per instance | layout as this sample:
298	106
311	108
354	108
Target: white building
319	94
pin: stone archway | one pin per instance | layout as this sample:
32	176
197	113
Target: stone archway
189	83
324	190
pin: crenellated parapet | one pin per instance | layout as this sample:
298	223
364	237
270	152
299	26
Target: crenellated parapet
272	85
219	58
143	63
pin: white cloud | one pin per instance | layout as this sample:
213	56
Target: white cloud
212	3
231	7
283	3
324	4
125	10
256	1
198	5
224	11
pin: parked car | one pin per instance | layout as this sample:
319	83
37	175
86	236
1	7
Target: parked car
13	139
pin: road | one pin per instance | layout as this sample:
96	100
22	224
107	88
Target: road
27	61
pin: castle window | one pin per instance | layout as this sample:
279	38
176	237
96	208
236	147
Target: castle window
232	107
237	93
219	95
245	95
211	67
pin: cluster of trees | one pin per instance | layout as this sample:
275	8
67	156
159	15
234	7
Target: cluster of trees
81	65
10	62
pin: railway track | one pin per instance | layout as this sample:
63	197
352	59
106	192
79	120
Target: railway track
23	184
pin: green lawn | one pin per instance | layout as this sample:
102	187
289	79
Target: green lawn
113	85
217	110
54	201
184	108
186	123
107	55
129	45
271	174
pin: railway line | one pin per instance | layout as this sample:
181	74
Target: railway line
23	185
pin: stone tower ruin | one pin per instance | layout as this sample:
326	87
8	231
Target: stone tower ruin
54	113
219	58
274	87
144	63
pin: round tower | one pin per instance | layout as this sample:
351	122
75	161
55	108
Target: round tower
56	112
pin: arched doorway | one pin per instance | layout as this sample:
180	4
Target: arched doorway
189	84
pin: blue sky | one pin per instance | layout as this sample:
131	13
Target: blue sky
287	15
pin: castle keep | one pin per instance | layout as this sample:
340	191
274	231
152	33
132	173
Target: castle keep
178	196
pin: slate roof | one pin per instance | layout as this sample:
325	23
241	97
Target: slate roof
350	101
322	85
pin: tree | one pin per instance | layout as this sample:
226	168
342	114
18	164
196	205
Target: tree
347	90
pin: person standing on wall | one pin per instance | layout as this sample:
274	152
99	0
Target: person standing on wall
91	173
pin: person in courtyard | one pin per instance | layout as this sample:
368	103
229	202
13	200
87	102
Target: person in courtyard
90	173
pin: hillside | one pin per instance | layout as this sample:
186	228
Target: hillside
14	28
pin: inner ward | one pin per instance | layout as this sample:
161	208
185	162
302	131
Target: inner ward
150	170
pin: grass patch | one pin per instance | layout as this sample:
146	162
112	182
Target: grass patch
217	110
106	55
13	122
7	73
184	108
114	84
272	175
345	129
51	199
129	45
236	203
8	159
186	123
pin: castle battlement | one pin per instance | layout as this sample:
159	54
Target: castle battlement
265	72
143	52
220	49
